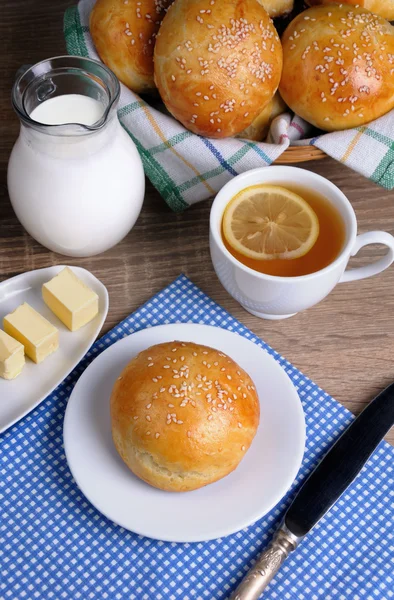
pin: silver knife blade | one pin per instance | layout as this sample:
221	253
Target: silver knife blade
325	485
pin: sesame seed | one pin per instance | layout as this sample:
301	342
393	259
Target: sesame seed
148	433
150	365
243	448
149	405
166	366
135	418
157	435
240	425
154	379
189	434
210	417
229	377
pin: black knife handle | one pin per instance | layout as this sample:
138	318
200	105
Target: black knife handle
341	464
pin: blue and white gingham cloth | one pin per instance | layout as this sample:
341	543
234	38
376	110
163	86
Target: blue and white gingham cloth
54	544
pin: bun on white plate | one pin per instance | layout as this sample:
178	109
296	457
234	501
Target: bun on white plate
183	415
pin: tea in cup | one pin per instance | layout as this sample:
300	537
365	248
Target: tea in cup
281	238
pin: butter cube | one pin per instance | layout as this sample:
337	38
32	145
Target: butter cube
12	356
73	302
39	337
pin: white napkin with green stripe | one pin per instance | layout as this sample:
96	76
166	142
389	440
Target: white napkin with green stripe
186	168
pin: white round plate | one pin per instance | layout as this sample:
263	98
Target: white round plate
255	487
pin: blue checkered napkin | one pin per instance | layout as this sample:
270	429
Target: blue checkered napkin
54	544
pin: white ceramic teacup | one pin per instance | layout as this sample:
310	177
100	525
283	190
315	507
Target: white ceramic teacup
272	297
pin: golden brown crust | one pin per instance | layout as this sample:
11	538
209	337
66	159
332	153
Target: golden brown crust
258	130
183	415
124	32
383	8
277	8
338	66
217	64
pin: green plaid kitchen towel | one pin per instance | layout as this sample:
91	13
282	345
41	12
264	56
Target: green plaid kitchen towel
186	168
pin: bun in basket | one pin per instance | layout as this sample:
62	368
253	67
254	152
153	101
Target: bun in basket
383	8
259	129
217	64
277	8
183	415
124	33
338	66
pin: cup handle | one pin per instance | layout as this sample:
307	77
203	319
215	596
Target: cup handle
371	237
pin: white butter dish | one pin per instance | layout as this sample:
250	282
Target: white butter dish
20	396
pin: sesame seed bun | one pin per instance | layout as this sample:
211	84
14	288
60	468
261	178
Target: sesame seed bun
338	66
124	32
277	8
217	64
383	8
183	415
259	129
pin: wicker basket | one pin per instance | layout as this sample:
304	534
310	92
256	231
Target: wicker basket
297	154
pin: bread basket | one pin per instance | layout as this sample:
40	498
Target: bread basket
298	154
187	168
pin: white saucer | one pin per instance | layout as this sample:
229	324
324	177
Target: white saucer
261	480
19	396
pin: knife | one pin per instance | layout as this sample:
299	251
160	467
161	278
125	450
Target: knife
321	490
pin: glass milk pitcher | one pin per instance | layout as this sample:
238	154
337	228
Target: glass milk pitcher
75	178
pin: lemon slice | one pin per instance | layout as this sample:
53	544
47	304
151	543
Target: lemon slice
267	222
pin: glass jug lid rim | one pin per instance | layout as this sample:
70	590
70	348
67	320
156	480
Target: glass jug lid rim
77	64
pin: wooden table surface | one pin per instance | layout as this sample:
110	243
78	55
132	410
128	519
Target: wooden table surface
345	344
